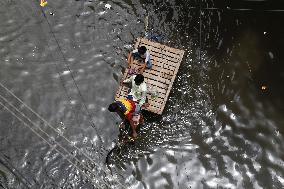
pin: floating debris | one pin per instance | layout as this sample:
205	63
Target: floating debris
65	72
85	140
263	87
101	13
271	55
43	3
220	43
107	6
146	23
73	102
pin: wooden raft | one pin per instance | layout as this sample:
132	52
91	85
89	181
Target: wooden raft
160	78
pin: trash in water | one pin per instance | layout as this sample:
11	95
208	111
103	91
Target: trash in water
271	55
263	87
43	3
107	6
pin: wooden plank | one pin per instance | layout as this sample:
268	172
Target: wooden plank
154	109
158	67
161	57
154	50
143	41
157	102
157	107
157	49
161	75
161	87
171	84
162	54
158	57
162	80
166	62
158	88
158	45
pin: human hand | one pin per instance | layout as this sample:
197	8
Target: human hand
134	135
141	69
122	82
129	66
146	105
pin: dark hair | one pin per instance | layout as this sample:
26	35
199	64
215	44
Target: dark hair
139	79
113	107
142	50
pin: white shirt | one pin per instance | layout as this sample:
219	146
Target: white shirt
138	92
146	55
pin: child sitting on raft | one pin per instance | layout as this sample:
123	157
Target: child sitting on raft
143	57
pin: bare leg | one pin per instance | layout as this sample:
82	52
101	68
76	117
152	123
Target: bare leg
130	59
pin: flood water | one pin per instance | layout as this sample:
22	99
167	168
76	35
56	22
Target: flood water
60	67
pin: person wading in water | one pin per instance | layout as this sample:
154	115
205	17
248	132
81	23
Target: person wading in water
130	113
129	109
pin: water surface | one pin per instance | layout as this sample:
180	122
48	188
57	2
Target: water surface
223	123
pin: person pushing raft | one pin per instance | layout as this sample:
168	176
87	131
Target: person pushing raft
129	112
129	109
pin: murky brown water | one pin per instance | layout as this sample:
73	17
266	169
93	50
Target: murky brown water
223	123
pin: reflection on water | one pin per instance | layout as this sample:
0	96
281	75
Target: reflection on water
220	128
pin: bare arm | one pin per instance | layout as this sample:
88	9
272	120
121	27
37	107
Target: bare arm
129	59
129	80
142	68
143	98
133	127
134	122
